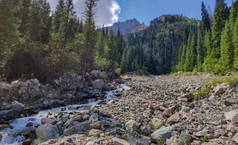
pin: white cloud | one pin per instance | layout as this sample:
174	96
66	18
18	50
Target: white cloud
106	12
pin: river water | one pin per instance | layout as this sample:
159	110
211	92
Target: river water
10	136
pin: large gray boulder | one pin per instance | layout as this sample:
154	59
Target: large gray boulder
162	134
232	116
46	132
98	84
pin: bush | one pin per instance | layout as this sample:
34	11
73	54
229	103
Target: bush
231	80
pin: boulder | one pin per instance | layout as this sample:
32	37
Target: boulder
77	128
132	125
220	89
99	74
232	116
3	126
98	84
186	97
46	132
93	118
184	139
118	141
235	138
48	121
4	89
174	118
162	134
17	106
94	132
27	142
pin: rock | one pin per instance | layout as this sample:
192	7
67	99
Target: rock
0	137
174	118
3	126
184	139
30	124
94	132
46	132
132	125
4	89
156	123
232	116
99	74
185	109
168	112
136	141
26	132
98	84
162	134
96	125
17	106
93	118
235	138
48	121
27	142
186	98
220	89
202	133
77	128
118	141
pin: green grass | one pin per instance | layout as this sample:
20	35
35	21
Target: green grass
231	80
204	91
205	139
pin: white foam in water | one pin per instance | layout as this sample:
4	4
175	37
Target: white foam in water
12	137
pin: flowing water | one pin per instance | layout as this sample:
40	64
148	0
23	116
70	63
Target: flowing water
10	136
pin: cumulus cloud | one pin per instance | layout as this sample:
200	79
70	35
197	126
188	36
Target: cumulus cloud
106	12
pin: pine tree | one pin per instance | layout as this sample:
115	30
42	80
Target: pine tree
87	54
25	17
100	42
206	22
200	52
235	42
58	17
233	14
124	62
112	55
227	49
8	24
207	43
217	27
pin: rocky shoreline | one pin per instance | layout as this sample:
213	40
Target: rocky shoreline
156	110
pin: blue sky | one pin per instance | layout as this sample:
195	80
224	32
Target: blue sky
147	10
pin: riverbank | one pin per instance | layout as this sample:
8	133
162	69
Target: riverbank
172	109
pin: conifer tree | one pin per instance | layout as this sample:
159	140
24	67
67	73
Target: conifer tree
200	52
25	17
206	22
87	54
112	55
217	27
227	49
235	42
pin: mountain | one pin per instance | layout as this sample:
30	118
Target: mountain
153	50
129	26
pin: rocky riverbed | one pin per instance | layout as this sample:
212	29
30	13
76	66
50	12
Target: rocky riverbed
152	110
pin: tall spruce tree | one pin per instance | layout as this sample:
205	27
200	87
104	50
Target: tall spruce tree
227	49
206	22
219	20
87	54
235	42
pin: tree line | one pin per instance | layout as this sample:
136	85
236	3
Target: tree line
36	42
213	45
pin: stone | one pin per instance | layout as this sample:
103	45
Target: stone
3	126
184	139
118	141
220	89
132	125
186	98
235	138
232	116
185	109
96	125
17	106
136	141
30	124
202	133
162	134
26	132
156	123
98	84
46	132
27	142
94	132
77	128
174	118
48	121
93	118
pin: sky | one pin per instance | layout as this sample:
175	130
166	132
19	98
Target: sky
108	12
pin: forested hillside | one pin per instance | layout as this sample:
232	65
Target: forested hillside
36	42
153	49
176	43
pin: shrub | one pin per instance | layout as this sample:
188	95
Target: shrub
205	139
